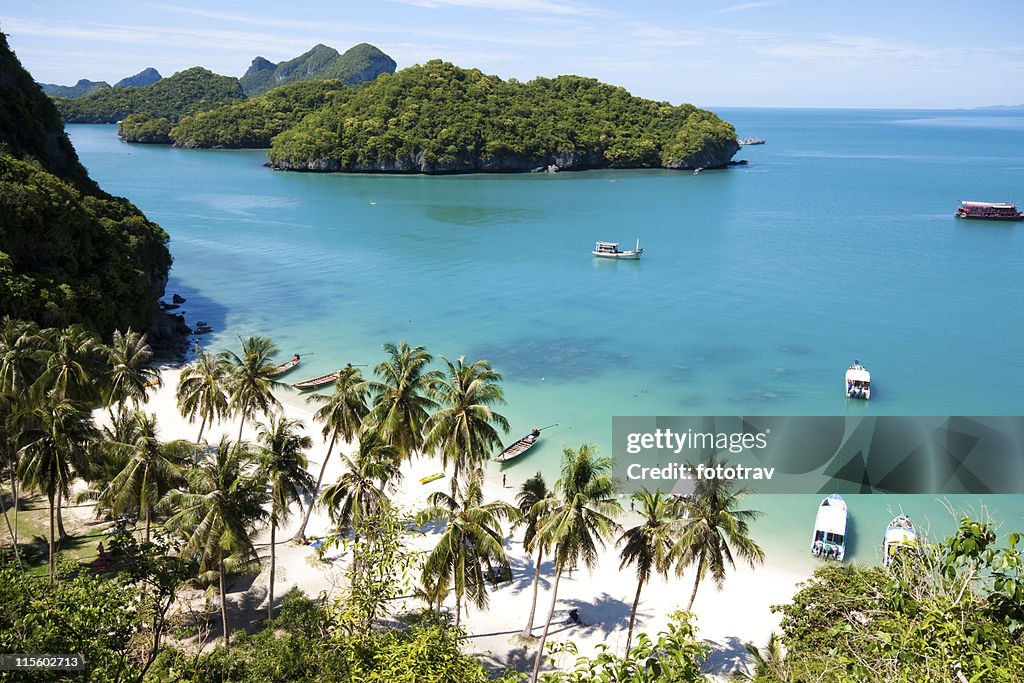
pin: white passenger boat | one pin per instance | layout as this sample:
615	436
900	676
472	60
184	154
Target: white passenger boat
611	250
829	540
858	381
900	539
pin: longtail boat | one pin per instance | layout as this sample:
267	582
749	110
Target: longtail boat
285	367
517	448
317	382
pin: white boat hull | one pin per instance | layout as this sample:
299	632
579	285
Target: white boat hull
627	255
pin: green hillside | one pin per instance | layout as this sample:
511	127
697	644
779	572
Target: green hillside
186	92
363	62
439	118
69	253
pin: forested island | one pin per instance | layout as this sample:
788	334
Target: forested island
439	118
147	106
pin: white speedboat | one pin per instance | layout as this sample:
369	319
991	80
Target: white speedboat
611	250
829	540
858	381
900	539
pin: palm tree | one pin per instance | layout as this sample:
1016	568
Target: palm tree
57	434
284	467
74	363
715	530
464	428
342	414
201	391
769	661
401	400
649	544
21	356
533	498
472	543
152	469
578	521
219	514
364	486
130	373
250	381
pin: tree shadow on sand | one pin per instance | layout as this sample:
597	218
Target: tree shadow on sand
726	657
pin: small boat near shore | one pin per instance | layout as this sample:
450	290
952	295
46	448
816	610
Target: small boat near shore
829	541
286	366
751	141
989	211
858	381
519	447
317	382
901	538
611	250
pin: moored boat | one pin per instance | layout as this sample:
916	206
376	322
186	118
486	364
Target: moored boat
285	366
317	382
517	448
858	381
900	539
611	250
829	541
989	211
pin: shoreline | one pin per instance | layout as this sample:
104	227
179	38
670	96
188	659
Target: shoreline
603	598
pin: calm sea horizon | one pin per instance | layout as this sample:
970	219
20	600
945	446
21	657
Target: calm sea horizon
759	285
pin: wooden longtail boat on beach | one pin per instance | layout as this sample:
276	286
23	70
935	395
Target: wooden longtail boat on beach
317	382
285	367
524	444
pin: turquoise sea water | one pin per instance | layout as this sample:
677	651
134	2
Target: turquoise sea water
759	286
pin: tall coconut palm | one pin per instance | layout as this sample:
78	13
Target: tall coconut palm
250	379
202	391
464	429
649	544
57	433
401	399
219	514
341	415
21	358
366	483
152	469
471	544
716	531
283	465
579	522
533	498
130	373
75	363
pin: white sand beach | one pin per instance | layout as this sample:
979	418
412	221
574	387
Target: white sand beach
739	613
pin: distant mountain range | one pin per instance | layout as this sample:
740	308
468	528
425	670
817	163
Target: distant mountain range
86	87
364	62
1004	107
167	100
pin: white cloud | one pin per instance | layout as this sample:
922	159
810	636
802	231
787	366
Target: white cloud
744	6
524	6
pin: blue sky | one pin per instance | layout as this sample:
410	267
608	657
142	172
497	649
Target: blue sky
765	53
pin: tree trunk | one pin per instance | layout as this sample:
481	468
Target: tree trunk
14	539
14	493
528	631
52	548
696	582
223	600
61	534
273	567
632	616
148	522
458	608
241	426
316	491
547	625
202	426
